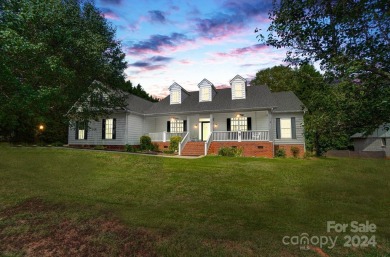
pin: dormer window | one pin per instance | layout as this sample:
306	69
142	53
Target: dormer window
177	94
238	84
175	97
205	94
238	91
206	91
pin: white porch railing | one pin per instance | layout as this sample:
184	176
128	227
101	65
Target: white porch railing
253	135
183	142
207	143
164	136
236	136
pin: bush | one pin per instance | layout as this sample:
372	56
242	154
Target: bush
145	143
295	151
57	143
155	147
174	143
280	153
130	148
230	151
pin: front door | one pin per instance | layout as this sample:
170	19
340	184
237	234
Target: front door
205	130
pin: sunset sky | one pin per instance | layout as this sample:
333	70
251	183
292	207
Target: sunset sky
185	41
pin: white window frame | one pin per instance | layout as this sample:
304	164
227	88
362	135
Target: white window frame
239	123
238	90
109	133
205	94
81	129
177	126
285	128
81	134
175	97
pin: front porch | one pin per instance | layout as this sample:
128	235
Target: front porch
208	128
221	138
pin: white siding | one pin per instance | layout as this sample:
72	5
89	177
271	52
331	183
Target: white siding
135	129
299	128
259	120
95	133
193	127
149	125
161	122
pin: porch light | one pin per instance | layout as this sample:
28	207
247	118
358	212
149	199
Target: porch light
195	126
41	127
216	125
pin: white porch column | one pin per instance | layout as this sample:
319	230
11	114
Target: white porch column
164	136
270	137
211	123
239	135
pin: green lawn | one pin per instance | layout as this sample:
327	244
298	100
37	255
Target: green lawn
213	206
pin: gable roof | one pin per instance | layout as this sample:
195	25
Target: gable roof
205	81
175	84
237	77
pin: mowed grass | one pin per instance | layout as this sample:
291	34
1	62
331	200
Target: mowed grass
213	206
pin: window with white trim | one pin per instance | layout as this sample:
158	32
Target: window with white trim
285	128
81	132
238	91
109	129
205	94
177	126
239	124
175	97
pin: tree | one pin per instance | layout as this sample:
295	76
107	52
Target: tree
51	52
138	91
278	78
351	41
322	118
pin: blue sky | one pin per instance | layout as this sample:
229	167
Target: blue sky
185	41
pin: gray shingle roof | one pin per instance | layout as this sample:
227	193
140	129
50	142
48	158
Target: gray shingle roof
138	104
287	101
257	97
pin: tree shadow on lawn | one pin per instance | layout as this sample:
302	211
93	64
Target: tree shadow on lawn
36	228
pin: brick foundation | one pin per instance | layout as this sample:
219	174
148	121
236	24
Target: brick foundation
251	149
287	148
107	147
162	145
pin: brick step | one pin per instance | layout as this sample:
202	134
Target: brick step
193	149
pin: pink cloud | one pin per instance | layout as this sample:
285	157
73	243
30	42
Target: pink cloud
185	61
243	50
222	86
111	15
